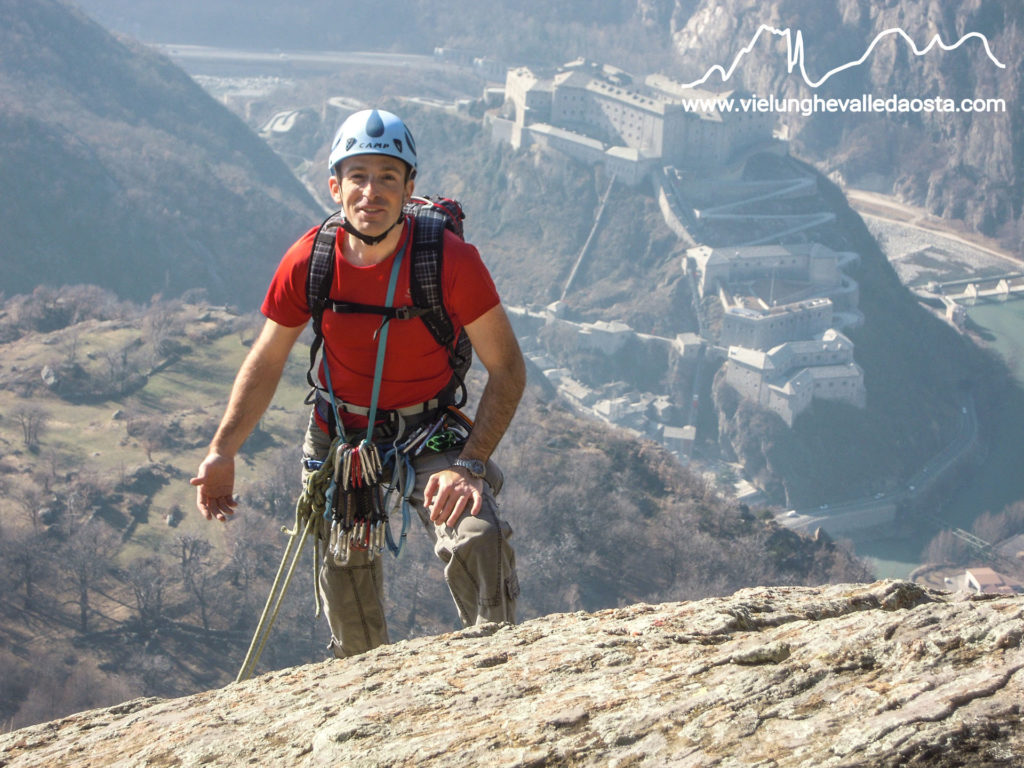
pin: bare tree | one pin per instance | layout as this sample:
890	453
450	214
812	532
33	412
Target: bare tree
69	343
81	498
122	372
84	560
196	572
246	545
147	577
30	499
32	420
278	487
161	328
153	434
26	557
190	550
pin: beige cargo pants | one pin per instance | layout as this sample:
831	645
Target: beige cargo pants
479	563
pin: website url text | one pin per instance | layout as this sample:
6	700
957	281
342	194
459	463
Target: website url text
864	103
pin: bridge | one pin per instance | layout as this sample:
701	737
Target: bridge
974	542
998	287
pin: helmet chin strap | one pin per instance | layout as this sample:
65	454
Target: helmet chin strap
370	239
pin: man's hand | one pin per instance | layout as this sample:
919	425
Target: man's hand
215	486
449	493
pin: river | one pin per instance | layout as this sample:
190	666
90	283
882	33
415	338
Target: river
1000	479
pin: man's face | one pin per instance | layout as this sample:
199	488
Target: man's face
371	189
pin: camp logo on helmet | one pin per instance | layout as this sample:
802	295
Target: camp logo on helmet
375	145
349	143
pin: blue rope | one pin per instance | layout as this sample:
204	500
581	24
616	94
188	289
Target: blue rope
403	479
405	475
378	372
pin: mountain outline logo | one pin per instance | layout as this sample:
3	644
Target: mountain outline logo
795	53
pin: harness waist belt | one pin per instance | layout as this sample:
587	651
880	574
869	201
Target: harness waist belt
323	407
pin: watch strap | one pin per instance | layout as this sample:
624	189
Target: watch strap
475	467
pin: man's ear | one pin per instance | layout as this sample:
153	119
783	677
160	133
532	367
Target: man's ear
335	186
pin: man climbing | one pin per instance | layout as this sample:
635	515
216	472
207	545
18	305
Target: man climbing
384	373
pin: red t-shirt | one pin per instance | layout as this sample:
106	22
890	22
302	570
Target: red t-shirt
415	366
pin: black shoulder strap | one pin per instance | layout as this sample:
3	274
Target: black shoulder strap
318	282
425	286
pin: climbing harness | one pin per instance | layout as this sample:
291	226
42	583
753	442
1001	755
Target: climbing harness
314	518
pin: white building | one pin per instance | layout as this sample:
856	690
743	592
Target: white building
812	265
765	327
602	114
986	581
788	377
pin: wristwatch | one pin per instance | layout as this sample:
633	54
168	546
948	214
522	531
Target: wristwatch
475	467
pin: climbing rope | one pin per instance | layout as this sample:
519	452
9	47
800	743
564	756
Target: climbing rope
308	523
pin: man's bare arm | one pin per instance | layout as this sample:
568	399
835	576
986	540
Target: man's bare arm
251	394
496	347
451	492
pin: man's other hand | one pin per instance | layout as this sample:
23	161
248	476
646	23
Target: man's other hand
450	493
215	485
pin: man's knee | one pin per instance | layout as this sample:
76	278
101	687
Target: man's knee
485	532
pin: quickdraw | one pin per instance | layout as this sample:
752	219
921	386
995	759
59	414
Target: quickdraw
354	509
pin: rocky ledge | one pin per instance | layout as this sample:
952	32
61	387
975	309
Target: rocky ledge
885	674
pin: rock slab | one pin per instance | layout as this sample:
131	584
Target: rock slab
884	674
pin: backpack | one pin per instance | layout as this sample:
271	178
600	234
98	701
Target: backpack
433	216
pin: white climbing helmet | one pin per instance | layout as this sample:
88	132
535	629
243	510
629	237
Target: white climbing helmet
373	132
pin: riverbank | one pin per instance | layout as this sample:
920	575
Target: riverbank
922	248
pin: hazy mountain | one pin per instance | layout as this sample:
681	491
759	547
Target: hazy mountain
525	30
119	170
963	165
